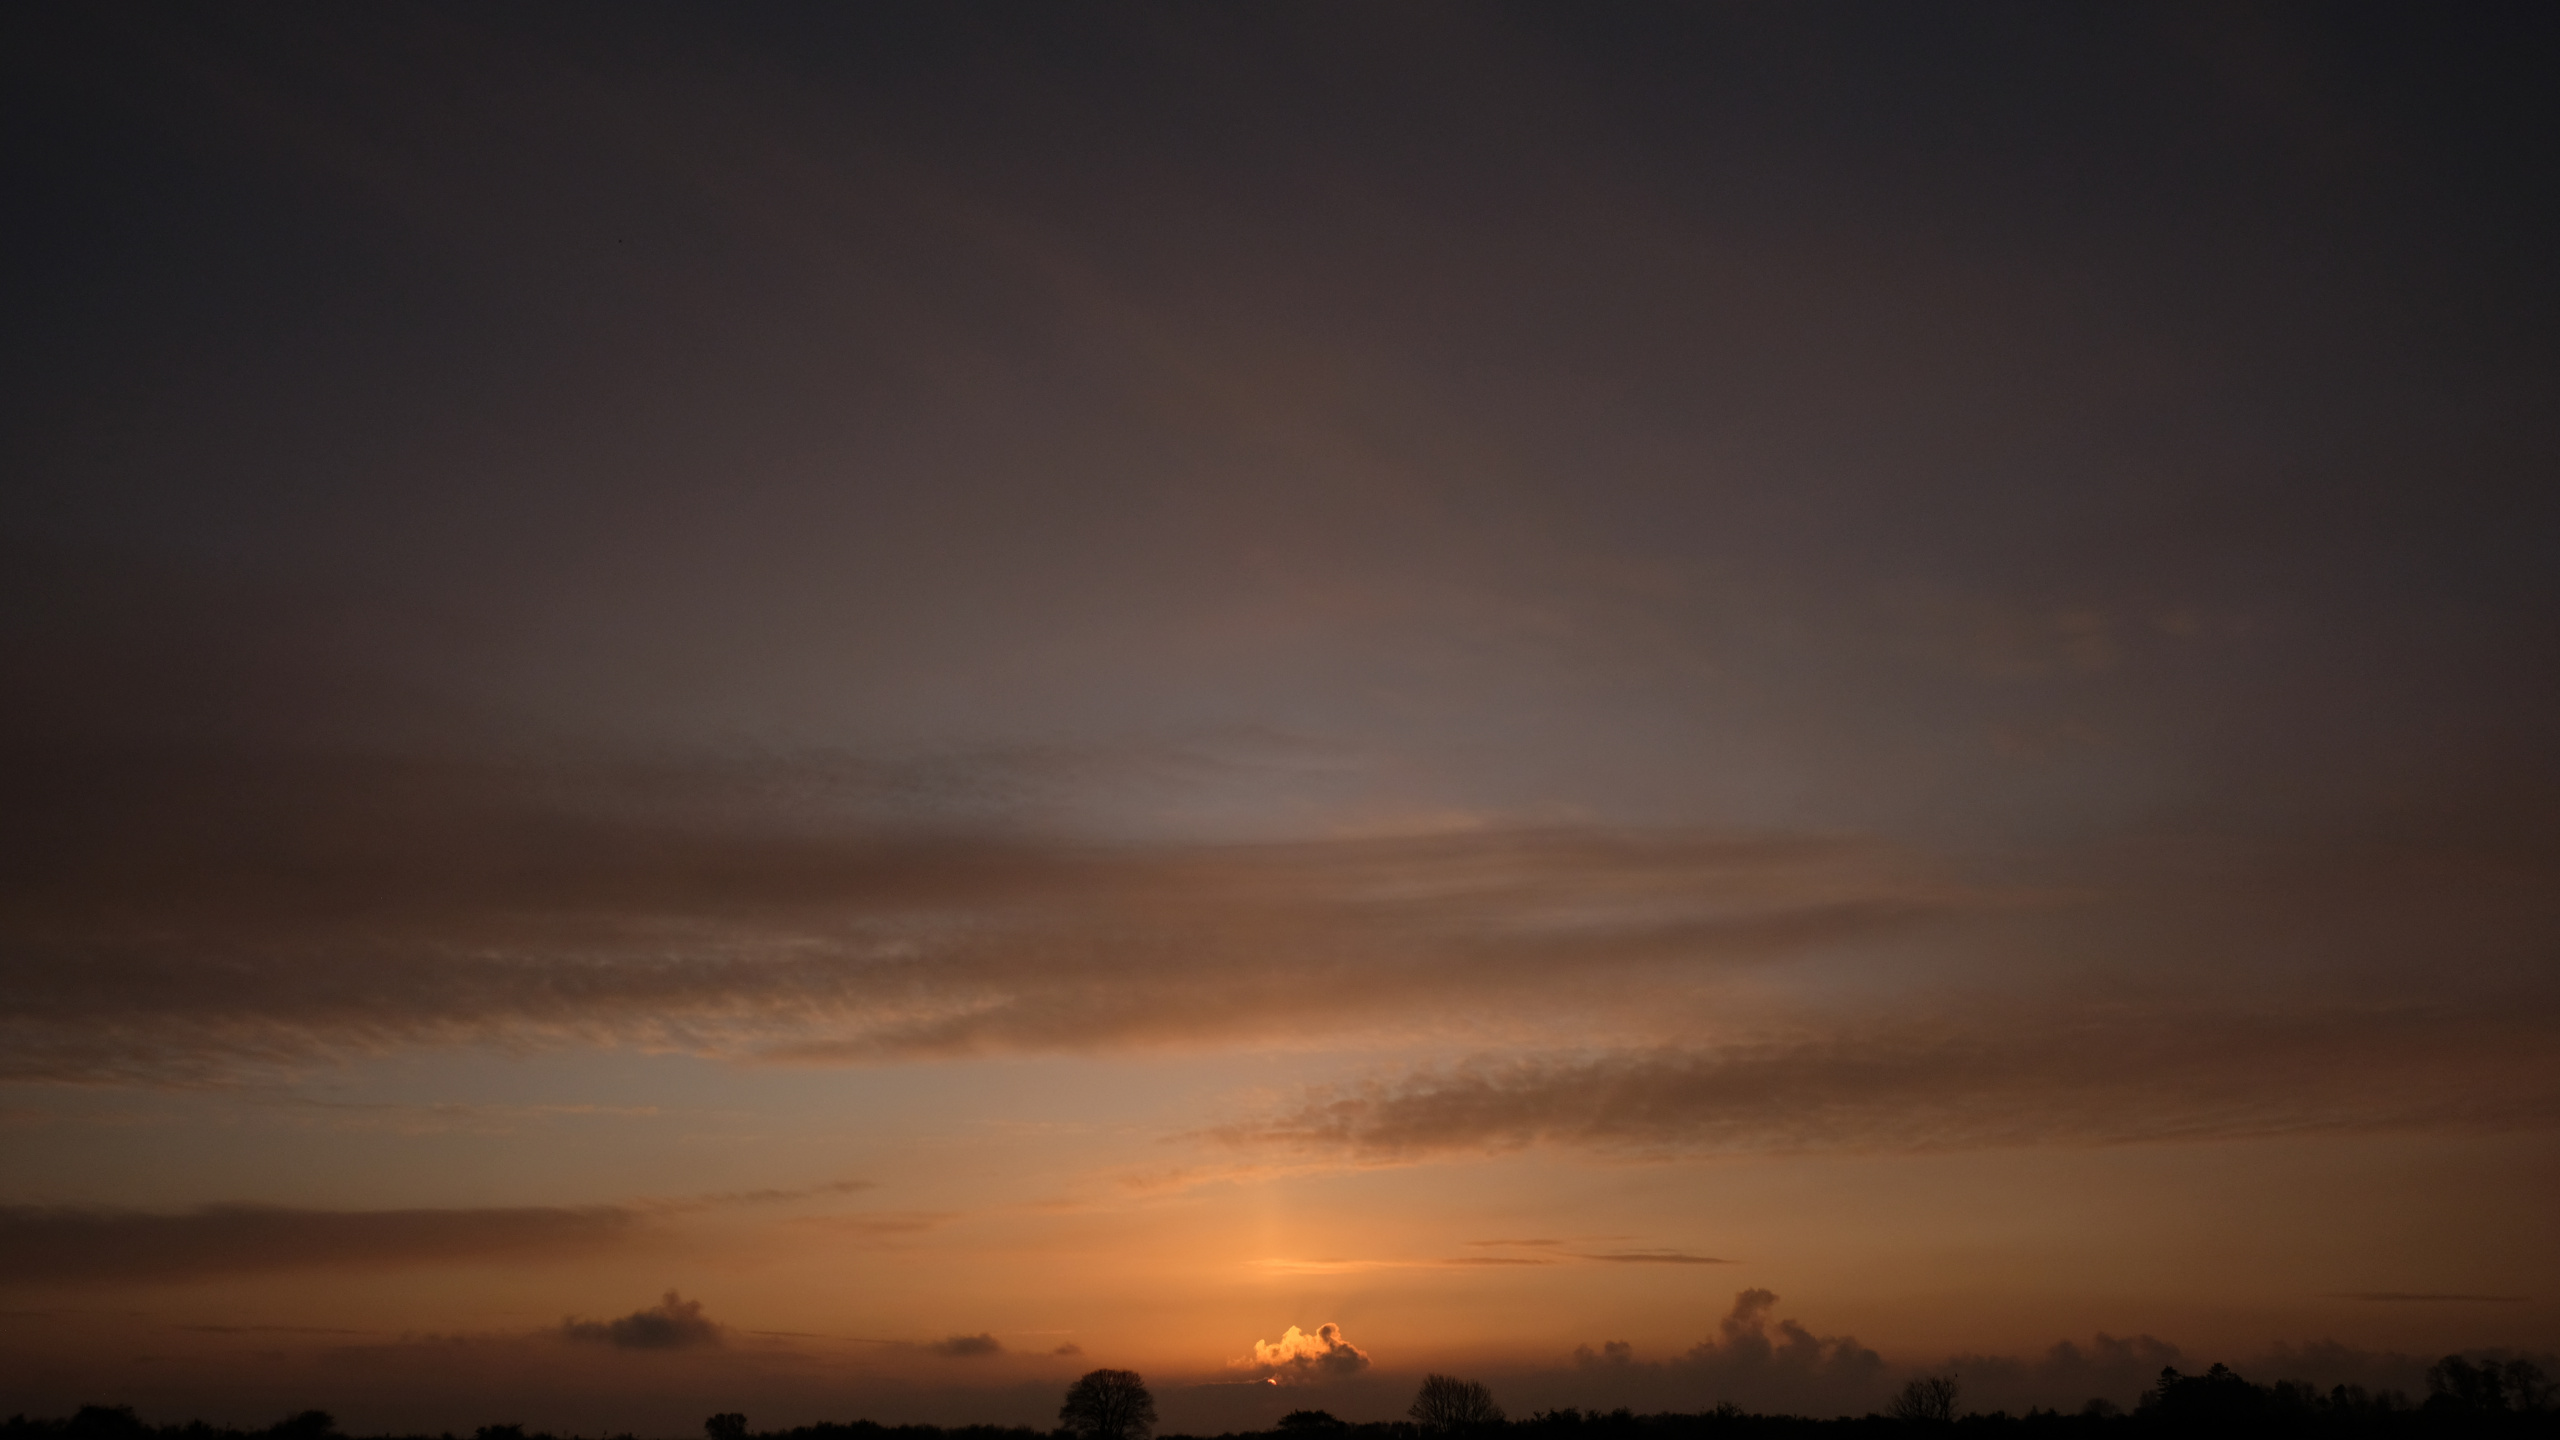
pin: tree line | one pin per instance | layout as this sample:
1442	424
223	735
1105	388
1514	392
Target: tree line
2464	1397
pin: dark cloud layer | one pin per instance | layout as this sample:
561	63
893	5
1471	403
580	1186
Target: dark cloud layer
2045	1079
1700	423
85	1245
170	917
1992	567
180	921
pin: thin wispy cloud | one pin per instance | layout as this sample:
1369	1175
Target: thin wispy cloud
2123	1078
89	1245
63	1244
394	906
2406	1297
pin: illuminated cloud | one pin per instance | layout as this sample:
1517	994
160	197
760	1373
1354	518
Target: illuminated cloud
1297	1355
674	1323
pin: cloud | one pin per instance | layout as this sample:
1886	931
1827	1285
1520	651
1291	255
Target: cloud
188	918
1297	1355
967	1347
674	1323
779	1197
1744	1342
42	1244
2398	1297
879	1224
1612	1353
2107	1078
1755	1360
2112	1367
1655	1257
1068	1348
68	1244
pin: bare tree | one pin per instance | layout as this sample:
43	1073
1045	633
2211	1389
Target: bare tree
727	1425
1926	1399
1452	1406
1109	1405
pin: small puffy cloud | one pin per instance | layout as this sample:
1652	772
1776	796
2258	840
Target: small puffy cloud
674	1323
1323	1355
1069	1348
967	1347
1616	1354
1764	1362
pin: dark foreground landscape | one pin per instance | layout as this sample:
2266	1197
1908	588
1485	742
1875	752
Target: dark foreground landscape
2512	1397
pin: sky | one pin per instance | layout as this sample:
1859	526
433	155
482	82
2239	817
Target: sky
833	711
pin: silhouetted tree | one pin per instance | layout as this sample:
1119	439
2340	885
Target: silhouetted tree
727	1425
1109	1405
1926	1400
1311	1422
1451	1405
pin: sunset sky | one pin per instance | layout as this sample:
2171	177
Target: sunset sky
836	710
